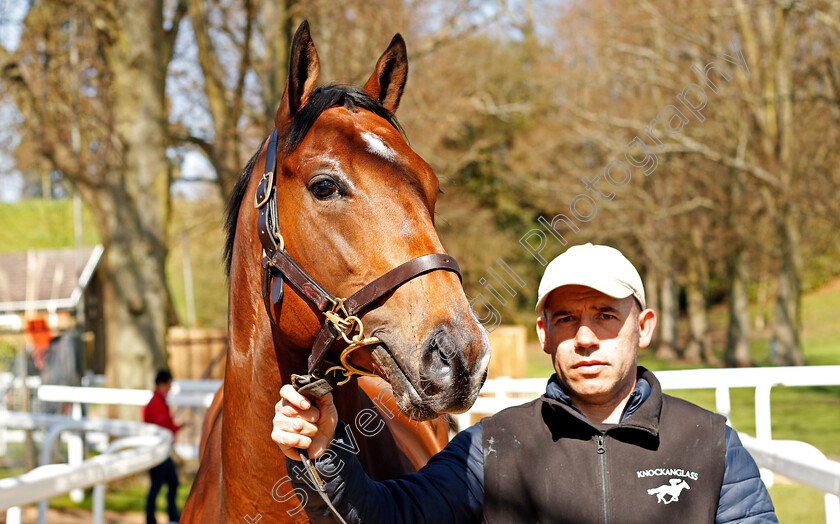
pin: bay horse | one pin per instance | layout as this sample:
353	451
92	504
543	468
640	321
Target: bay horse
353	202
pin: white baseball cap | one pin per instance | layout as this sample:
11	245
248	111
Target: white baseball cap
602	268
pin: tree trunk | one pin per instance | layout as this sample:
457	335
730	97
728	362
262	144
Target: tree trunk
786	349
651	284
278	21
667	349
132	209
762	303
737	352
699	346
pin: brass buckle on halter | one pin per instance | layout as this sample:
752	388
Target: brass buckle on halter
260	202
345	324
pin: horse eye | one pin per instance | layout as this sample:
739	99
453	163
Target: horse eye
324	189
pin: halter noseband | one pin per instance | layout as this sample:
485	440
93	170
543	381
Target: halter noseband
341	314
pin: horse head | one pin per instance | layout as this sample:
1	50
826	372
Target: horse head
355	201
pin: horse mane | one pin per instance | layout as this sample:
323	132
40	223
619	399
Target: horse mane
321	99
235	202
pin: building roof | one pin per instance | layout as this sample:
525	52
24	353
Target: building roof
46	279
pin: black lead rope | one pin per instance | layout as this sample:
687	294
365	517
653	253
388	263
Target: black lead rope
307	464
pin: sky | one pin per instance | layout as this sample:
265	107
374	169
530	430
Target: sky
11	16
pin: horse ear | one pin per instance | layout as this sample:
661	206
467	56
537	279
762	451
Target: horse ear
303	72
387	82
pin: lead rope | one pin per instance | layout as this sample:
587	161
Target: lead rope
320	386
316	479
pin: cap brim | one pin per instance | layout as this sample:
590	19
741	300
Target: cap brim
613	289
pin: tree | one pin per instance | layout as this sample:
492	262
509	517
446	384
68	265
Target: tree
749	136
90	81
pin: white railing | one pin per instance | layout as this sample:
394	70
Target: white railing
796	460
140	447
184	393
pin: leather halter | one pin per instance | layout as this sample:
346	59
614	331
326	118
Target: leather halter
280	267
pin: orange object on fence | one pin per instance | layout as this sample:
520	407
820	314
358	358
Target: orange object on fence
39	336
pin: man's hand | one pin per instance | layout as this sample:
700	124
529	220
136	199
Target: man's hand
300	425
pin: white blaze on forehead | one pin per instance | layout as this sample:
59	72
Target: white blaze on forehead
378	147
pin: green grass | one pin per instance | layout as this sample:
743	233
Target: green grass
38	224
821	326
203	224
130	498
796	504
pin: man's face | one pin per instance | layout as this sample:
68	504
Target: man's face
593	340
164	387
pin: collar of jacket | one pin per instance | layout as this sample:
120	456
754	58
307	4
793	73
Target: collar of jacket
641	412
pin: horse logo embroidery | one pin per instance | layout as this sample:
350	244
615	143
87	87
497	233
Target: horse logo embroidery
671	490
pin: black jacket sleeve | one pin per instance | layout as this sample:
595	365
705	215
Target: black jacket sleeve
450	488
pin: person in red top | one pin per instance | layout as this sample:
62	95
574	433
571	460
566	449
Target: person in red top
157	412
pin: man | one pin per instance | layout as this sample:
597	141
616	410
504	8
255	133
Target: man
602	445
157	412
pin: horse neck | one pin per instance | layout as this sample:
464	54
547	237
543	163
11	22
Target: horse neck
260	362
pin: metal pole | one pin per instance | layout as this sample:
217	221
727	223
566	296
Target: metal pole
98	503
76	452
188	279
723	404
832	509
763	425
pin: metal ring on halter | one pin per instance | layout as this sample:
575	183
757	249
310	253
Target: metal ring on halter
351	369
346	372
356	342
345	324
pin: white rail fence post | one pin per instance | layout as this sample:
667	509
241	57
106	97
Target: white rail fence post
76	451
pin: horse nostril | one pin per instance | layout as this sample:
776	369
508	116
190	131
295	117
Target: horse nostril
444	346
441	361
439	347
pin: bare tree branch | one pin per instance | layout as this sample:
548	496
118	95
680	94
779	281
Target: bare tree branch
688	145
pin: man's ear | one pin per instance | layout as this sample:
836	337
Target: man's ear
387	82
304	68
542	334
647	324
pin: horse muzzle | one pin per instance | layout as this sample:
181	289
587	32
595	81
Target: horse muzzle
441	374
